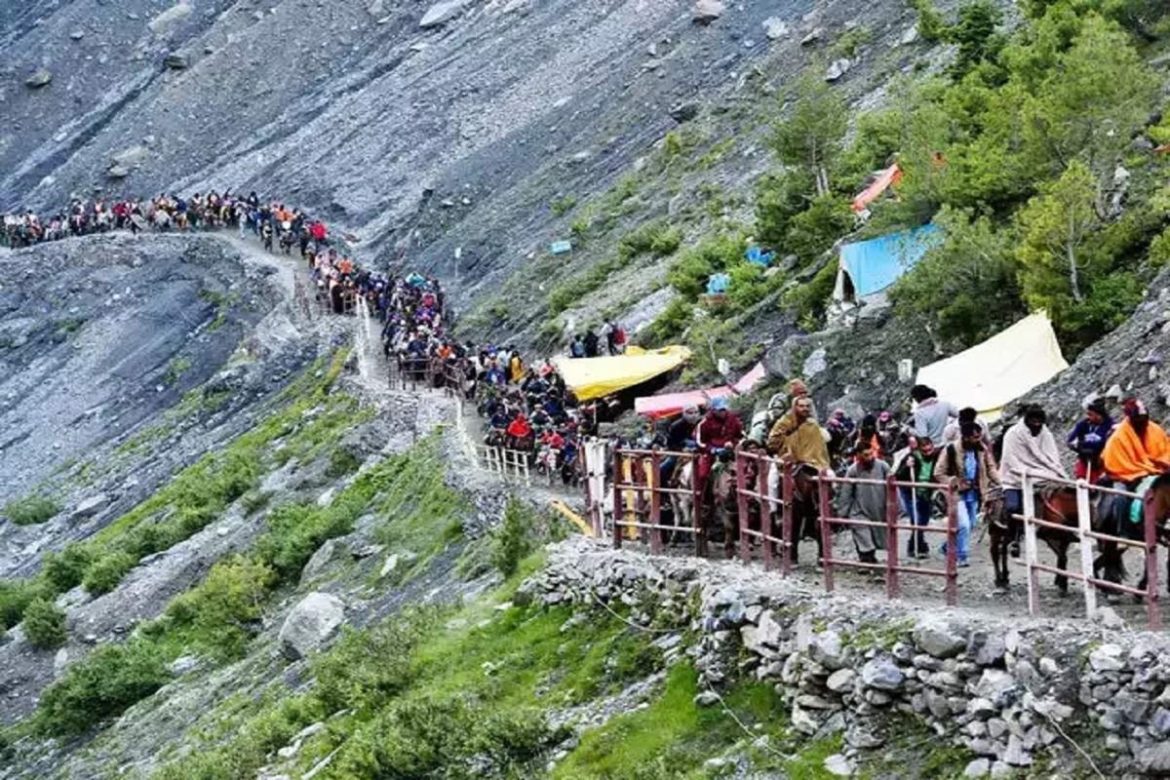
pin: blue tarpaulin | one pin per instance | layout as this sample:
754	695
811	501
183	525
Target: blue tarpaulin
758	256
718	283
874	265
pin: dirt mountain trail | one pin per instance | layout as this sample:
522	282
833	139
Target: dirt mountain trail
284	266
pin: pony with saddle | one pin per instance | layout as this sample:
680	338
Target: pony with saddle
719	502
806	506
1056	505
1111	515
1118	516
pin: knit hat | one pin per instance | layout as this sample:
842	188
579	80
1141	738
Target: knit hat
1135	407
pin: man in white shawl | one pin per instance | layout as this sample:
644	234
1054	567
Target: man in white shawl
1028	446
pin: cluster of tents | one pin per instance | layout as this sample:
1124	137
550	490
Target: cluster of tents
986	377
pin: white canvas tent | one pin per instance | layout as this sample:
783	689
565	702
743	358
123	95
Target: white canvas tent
990	375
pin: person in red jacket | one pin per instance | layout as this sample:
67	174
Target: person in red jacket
317	232
519	432
718	430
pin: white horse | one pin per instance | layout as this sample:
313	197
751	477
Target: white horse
683	503
547	461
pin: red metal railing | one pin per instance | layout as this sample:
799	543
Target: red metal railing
1088	539
767	502
638	494
765	484
891	567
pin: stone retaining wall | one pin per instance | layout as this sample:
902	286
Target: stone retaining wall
1009	691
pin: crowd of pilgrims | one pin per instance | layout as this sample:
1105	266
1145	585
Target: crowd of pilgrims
272	222
529	408
524	407
932	444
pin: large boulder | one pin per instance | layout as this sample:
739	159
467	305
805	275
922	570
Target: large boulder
684	112
88	507
310	624
764	638
132	156
39	78
938	639
882	674
837	69
707	11
827	649
775	28
321	560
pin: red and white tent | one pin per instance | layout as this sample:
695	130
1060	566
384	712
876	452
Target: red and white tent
658	406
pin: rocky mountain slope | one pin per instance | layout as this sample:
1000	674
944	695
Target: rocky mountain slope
124	361
230	550
457	134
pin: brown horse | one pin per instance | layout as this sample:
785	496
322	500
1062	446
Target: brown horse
806	510
1114	521
725	505
1058	506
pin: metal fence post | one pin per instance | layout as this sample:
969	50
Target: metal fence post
617	499
893	589
654	478
1031	557
767	512
583	459
952	565
826	528
787	490
1088	547
1153	608
741	503
638	479
698	491
597	477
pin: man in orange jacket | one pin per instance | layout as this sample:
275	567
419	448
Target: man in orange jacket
1138	448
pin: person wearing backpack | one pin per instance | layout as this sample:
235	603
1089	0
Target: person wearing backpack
971	463
916	464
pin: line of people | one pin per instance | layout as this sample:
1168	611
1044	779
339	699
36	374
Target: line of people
524	408
271	221
529	408
936	442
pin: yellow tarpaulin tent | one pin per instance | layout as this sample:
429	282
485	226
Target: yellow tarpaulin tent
591	378
1005	367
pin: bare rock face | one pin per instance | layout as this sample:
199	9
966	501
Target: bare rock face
443	12
310	624
169	19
